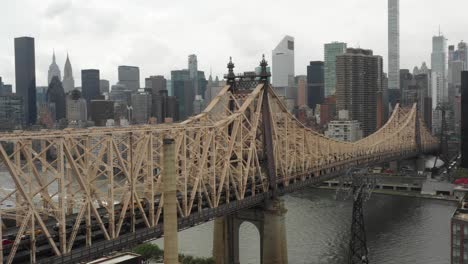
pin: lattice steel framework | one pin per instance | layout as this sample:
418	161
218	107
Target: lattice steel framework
103	179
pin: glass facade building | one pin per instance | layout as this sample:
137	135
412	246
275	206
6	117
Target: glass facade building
331	50
393	44
25	73
315	84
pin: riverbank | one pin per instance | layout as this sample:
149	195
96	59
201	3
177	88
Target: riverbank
403	193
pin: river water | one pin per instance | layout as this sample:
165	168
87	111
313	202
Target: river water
399	230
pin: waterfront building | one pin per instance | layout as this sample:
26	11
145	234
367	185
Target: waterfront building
315	84
394	44
68	80
129	76
359	87
25	73
331	50
283	62
459	233
344	129
54	70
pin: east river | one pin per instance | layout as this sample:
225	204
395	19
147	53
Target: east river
399	230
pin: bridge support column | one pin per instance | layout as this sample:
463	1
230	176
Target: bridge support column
226	240
270	222
171	248
274	233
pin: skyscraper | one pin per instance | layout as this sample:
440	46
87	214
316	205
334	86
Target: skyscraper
25	73
53	70
156	83
359	86
182	86
439	70
104	86
394	44
331	50
68	81
90	85
283	62
56	97
193	70
315	84
130	77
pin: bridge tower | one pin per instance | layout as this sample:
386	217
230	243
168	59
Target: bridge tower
268	218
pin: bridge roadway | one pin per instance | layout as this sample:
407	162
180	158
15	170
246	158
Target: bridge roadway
101	247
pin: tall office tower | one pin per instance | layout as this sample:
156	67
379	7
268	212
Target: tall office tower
405	82
68	81
464	119
301	81
90	85
141	105
130	77
358	84
393	44
56	97
164	106
25	73
104	86
155	84
315	84
283	62
439	69
193	70
183	90
53	70
462	53
101	111
331	51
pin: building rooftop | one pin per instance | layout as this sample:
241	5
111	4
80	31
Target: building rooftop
462	211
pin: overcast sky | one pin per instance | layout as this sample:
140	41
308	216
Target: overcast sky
158	35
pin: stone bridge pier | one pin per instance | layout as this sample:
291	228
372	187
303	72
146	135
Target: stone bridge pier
270	222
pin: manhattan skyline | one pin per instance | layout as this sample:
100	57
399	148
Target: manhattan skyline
159	37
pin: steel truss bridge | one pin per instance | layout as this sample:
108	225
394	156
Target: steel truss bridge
77	194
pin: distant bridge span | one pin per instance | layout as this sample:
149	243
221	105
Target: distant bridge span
82	193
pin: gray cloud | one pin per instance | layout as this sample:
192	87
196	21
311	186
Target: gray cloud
159	35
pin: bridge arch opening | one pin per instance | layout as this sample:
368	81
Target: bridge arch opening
250	248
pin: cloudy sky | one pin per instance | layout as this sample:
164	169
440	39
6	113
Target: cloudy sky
158	35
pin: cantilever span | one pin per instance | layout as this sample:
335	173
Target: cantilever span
74	188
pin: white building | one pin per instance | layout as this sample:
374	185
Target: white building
76	108
344	129
53	70
68	81
439	68
283	62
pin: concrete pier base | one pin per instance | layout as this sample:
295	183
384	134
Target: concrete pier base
270	222
274	234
